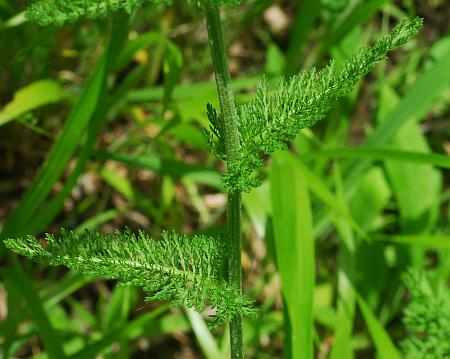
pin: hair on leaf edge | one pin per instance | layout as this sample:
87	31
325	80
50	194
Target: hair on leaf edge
187	271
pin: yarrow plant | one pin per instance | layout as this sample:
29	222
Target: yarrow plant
427	318
199	270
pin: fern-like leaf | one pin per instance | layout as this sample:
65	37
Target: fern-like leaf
188	271
59	12
215	136
274	117
427	319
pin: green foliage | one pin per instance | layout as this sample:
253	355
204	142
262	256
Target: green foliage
371	212
427	319
59	12
271	119
216	132
189	271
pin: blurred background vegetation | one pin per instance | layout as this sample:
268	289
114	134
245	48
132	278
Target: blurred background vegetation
105	139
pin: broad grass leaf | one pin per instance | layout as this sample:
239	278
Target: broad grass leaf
294	246
31	97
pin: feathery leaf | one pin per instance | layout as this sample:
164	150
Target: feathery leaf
272	118
59	12
215	136
427	319
188	271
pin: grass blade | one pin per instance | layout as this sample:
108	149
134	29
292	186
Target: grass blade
320	189
382	154
70	283
363	11
416	187
294	245
307	12
165	166
413	107
430	241
124	332
59	155
204	337
49	336
15	316
345	277
37	94
417	102
383	343
46	214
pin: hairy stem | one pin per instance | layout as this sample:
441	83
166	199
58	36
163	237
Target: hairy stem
232	145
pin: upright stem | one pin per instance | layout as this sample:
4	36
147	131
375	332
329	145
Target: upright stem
232	145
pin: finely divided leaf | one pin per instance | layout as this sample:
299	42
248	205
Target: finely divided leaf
274	117
59	12
188	271
427	318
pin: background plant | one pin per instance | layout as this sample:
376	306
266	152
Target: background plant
427	318
175	170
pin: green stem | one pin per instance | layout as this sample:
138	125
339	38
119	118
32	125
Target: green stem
232	145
